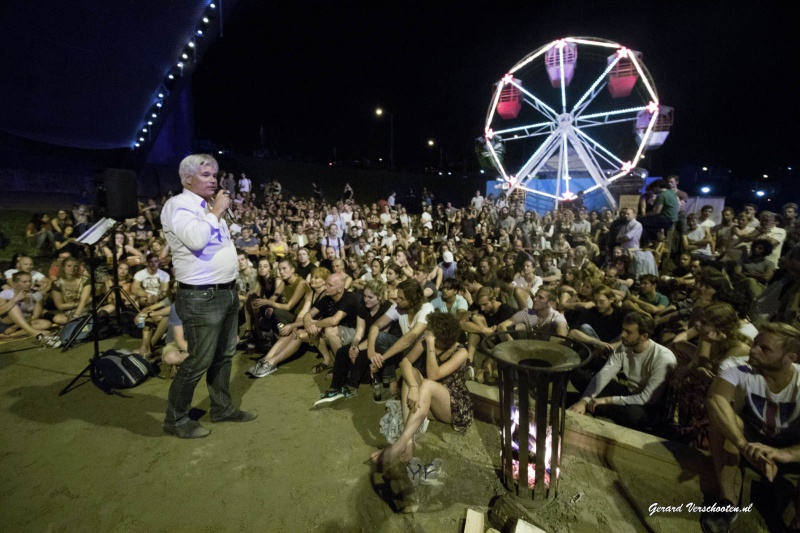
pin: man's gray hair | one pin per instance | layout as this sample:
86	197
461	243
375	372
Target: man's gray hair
192	164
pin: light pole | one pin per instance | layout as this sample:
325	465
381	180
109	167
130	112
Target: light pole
379	111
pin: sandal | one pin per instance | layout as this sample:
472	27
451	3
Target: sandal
401	487
319	368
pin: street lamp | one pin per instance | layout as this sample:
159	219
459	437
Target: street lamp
431	143
379	111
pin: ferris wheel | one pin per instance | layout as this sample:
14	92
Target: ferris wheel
559	120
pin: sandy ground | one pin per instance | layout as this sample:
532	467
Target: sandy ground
90	462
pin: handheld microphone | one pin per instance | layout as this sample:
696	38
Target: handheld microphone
229	211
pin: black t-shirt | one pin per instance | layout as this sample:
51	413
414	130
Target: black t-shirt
316	250
504	312
607	327
369	319
348	304
468	228
304	271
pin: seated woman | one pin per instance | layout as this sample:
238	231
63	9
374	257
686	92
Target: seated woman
125	250
278	246
355	268
570	285
155	319
292	336
375	272
40	233
718	338
177	349
71	291
159	247
441	391
125	281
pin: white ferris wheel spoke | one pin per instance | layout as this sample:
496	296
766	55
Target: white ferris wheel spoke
591	94
650	90
596	145
530	130
537	104
591	43
531	57
563	85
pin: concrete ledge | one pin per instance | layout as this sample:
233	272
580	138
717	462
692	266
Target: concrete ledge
609	442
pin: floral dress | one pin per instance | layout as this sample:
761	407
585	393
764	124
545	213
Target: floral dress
460	401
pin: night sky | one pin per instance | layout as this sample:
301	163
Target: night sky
313	74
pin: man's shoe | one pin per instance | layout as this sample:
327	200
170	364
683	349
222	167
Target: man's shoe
349	392
328	398
190	430
718	521
237	416
262	368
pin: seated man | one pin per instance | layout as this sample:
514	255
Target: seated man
645	365
601	325
21	309
541	317
247	242
142	232
410	312
450	301
754	408
328	311
483	319
24	263
649	300
428	287
150	285
351	363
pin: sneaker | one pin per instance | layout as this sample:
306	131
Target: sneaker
470	373
718	521
349	392
329	397
49	341
262	368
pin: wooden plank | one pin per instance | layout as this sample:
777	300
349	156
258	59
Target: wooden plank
524	527
474	522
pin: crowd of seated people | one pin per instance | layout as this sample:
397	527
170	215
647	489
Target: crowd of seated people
664	299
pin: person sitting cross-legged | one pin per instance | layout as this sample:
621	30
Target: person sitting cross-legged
440	391
21	310
645	364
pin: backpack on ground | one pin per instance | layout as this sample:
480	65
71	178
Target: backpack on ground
120	369
85	333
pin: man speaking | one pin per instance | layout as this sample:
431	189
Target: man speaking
205	266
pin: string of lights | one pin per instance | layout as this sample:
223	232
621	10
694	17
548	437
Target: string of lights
186	61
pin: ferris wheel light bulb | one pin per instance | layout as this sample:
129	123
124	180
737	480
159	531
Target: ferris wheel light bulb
507	79
652	107
622	52
489	134
561	43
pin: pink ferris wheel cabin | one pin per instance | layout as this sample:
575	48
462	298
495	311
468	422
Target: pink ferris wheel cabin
510	102
624	75
562	52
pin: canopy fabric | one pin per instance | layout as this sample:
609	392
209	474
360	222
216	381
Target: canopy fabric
83	73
